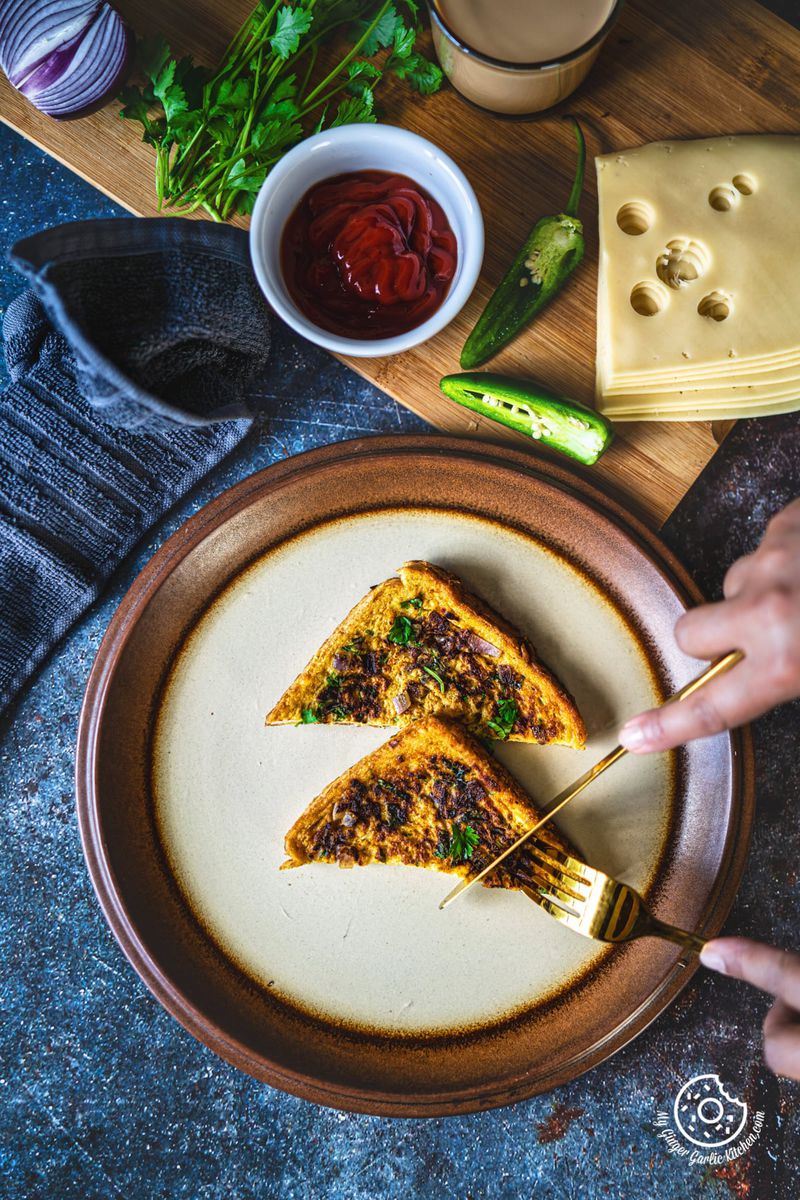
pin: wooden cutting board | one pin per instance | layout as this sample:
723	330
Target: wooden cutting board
668	70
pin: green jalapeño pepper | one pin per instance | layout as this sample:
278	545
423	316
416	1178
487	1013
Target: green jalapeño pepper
529	408
549	255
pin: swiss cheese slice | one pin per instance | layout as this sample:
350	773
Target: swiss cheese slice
733	410
698	289
755	370
767	362
761	391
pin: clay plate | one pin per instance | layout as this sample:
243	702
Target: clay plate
349	987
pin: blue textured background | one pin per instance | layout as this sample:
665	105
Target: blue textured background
104	1095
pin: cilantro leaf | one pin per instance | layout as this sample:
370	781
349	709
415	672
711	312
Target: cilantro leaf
383	33
271	136
403	41
232	93
164	77
308	717
416	602
247	179
355	110
177	84
362	77
402	632
463	843
507	713
423	75
193	80
283	103
152	54
174	102
290	26
222	130
135	107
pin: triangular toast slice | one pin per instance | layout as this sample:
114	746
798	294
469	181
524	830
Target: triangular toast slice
420	644
431	796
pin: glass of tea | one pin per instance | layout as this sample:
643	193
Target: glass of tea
519	56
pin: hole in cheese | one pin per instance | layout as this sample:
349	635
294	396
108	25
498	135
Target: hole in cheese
723	198
744	184
716	305
648	299
681	262
635	217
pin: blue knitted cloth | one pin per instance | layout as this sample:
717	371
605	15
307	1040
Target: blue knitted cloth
137	343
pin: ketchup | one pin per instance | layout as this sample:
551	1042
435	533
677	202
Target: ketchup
368	254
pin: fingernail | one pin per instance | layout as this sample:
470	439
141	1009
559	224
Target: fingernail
713	960
631	736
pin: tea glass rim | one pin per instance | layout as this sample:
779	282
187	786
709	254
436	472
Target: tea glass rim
522	68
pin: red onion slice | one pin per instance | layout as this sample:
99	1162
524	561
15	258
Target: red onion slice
402	703
67	58
481	646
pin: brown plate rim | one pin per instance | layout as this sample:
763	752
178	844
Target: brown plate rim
210	517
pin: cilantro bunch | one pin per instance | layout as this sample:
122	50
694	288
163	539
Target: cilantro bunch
217	134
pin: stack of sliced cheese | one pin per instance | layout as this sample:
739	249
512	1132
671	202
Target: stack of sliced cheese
699	282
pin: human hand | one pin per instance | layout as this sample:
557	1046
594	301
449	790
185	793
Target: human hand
774	971
759	615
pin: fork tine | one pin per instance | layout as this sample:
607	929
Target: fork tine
583	870
549	872
569	871
537	876
552	907
553	887
560	854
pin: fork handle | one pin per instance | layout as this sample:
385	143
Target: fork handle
689	941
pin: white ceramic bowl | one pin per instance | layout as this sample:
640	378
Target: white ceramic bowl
365	148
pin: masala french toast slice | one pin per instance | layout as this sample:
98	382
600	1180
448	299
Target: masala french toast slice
432	796
421	644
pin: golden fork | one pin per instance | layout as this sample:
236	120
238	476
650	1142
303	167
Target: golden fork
593	903
712	671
